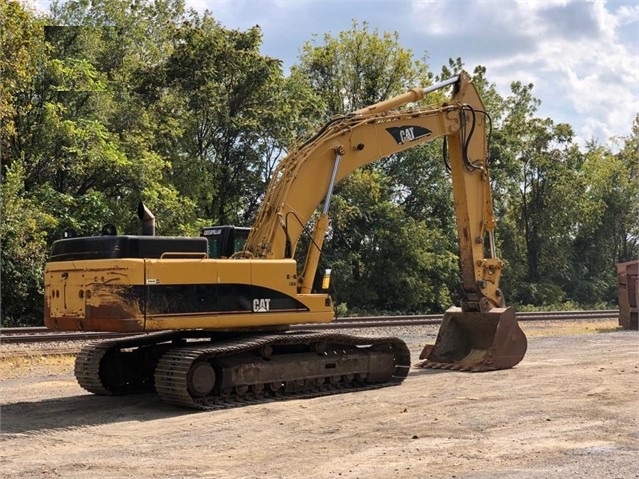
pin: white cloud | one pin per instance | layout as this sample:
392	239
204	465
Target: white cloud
582	57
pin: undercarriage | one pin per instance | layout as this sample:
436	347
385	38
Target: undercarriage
210	370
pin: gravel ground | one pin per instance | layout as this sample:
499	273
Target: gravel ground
568	410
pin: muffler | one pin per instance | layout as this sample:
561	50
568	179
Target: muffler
476	341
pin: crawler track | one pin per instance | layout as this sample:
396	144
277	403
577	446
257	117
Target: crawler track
123	365
172	373
228	371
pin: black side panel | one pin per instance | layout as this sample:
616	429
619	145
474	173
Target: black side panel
217	299
112	247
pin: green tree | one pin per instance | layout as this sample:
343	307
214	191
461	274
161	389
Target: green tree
74	133
541	216
392	222
358	68
23	232
234	110
101	134
21	52
608	231
382	259
24	225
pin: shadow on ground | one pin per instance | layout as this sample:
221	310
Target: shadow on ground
83	410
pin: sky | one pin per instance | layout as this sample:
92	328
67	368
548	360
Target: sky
581	56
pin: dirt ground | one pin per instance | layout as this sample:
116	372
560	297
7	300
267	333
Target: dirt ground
568	410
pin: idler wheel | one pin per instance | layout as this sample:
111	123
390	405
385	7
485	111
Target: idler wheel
201	379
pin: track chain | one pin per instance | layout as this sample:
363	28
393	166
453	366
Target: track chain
88	360
87	368
171	375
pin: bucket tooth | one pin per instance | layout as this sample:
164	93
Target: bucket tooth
476	341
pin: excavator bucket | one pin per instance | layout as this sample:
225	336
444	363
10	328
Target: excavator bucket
476	341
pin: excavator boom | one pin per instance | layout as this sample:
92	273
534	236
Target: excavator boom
482	334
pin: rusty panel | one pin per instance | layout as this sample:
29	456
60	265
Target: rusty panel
627	278
102	295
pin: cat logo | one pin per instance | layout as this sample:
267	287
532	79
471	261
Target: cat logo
408	133
261	305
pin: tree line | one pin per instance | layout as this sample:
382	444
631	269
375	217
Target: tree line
105	103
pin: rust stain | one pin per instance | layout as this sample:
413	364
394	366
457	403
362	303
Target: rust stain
107	307
113	308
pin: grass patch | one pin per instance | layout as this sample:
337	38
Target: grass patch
568	328
13	367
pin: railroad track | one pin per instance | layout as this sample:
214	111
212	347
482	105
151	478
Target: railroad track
42	334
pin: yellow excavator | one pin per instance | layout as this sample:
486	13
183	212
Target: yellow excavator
214	311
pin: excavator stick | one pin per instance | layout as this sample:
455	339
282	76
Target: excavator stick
476	341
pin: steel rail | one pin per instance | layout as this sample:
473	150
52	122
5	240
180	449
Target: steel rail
42	334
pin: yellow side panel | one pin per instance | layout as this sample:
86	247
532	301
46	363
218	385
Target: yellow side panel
185	271
280	275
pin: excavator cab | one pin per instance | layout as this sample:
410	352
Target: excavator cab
224	241
476	341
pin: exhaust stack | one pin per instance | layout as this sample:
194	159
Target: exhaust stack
148	220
